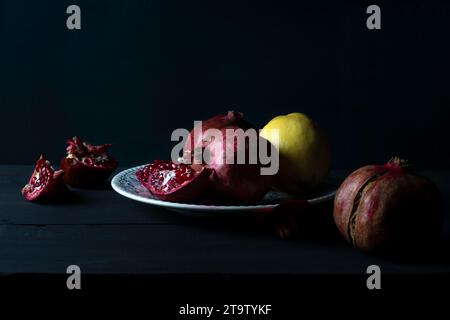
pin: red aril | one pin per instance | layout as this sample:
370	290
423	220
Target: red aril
86	165
175	182
45	183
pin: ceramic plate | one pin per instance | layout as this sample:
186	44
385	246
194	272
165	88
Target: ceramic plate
126	184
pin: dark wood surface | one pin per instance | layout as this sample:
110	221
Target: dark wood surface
105	233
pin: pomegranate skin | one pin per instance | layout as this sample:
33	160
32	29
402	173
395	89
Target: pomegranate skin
196	138
388	207
87	165
234	183
240	183
79	175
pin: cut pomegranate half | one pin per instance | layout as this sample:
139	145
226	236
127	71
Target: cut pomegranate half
45	183
86	165
176	182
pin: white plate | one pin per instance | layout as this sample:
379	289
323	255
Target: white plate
126	184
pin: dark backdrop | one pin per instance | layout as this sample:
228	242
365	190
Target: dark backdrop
139	69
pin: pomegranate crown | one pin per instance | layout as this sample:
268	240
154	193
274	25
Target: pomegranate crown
399	162
232	115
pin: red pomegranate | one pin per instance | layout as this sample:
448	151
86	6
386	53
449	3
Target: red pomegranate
45	183
237	182
197	139
385	207
175	182
86	165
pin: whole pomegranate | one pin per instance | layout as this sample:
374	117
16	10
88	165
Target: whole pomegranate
388	207
235	182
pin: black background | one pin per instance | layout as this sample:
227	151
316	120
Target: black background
139	69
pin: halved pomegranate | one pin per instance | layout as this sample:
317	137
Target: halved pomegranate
45	183
176	182
86	165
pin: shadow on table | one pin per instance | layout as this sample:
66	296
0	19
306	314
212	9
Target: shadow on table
106	186
67	199
314	225
75	196
317	226
436	253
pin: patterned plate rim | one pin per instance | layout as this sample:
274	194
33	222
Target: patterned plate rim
117	186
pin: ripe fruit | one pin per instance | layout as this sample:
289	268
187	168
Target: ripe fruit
234	182
45	183
87	165
197	139
382	207
176	182
304	149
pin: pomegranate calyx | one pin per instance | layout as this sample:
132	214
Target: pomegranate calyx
234	115
398	162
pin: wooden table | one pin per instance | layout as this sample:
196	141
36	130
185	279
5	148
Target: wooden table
107	234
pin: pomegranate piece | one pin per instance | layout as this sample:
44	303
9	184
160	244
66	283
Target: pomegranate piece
45	183
388	207
86	165
175	182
